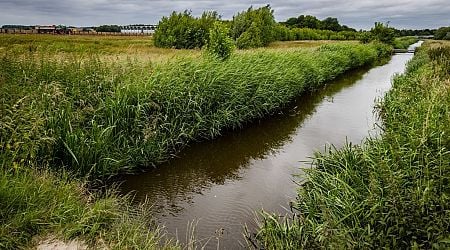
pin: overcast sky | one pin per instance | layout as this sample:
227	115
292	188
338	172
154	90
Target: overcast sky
358	14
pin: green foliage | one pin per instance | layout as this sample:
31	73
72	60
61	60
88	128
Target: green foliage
391	193
220	45
442	33
380	32
404	42
108	28
40	204
183	31
383	33
253	28
99	119
311	22
366	37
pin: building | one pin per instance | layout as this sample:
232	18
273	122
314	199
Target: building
45	29
138	29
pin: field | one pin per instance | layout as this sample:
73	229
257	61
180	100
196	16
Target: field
77	110
391	192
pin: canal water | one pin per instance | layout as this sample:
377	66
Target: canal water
213	188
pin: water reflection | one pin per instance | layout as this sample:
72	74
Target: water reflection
215	162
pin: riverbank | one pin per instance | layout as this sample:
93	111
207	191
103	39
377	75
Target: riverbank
390	192
69	118
98	119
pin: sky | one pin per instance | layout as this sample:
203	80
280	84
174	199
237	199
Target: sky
402	14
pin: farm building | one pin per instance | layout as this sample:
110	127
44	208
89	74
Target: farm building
138	28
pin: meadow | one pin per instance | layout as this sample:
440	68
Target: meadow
77	110
390	192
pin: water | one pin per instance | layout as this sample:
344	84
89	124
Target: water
218	185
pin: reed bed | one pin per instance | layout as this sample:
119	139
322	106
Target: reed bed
391	192
98	119
73	120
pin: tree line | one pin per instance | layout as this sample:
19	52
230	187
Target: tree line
251	28
256	27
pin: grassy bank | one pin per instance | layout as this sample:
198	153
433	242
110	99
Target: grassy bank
391	192
98	118
92	118
37	205
404	42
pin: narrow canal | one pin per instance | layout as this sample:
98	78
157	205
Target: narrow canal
215	187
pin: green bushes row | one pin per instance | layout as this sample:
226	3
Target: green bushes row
282	33
100	118
183	31
392	192
404	42
251	28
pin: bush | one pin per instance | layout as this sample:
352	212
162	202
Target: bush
183	31
220	45
254	27
442	33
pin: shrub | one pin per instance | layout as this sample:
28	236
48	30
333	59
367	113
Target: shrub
254	27
220	45
183	31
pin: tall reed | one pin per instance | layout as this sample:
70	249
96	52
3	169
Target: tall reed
392	192
98	118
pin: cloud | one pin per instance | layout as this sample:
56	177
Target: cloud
354	13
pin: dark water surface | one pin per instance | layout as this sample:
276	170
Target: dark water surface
218	185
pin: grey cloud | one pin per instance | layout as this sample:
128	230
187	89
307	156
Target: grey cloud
358	14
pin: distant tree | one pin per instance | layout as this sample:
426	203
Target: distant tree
220	45
254	27
108	28
309	22
442	33
292	22
383	33
330	23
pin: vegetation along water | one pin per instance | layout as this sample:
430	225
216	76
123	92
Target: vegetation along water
390	192
76	111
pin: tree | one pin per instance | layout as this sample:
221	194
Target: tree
330	23
308	22
254	27
108	28
442	33
383	33
183	31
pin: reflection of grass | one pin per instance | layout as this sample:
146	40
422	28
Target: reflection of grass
392	192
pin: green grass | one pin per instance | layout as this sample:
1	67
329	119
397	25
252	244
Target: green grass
404	42
38	203
392	192
91	118
98	119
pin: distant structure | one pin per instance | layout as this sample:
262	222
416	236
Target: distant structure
138	29
127	30
45	29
